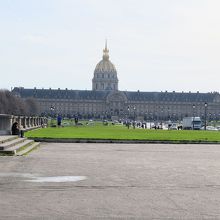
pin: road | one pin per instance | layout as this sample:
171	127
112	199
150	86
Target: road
112	181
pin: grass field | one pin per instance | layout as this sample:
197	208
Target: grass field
122	133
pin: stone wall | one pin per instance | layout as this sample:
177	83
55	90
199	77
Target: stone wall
25	123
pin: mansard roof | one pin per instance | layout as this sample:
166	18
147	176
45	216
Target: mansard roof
60	94
102	95
171	96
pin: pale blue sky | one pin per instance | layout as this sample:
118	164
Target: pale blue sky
156	45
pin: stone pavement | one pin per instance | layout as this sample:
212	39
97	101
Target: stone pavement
112	181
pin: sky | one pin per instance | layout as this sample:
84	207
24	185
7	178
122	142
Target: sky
159	45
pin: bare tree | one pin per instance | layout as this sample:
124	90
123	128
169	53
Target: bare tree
32	106
11	104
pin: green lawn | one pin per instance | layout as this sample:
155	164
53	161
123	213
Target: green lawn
122	133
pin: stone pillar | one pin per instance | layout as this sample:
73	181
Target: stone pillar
31	122
29	119
28	122
14	119
5	124
19	122
38	121
42	122
45	122
24	122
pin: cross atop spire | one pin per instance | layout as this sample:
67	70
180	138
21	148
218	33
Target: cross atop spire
105	52
106	44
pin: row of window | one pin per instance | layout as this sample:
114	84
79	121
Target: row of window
102	75
102	86
138	108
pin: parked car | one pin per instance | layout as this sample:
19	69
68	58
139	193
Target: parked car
210	128
173	127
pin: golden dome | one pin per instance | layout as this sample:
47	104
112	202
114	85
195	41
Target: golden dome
105	65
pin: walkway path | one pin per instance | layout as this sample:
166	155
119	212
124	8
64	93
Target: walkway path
112	181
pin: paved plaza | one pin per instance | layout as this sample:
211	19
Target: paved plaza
112	181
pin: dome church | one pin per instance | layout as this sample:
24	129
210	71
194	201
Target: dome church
106	101
105	74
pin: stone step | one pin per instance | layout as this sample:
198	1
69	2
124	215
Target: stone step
11	143
18	147
5	138
28	149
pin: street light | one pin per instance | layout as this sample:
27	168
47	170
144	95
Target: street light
161	114
151	118
128	112
193	114
161	118
168	110
52	108
206	105
134	112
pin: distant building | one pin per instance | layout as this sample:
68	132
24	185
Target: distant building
105	100
105	75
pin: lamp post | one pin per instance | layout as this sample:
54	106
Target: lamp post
156	118
193	114
168	110
151	118
52	108
127	121
128	112
134	112
161	122
161	114
206	105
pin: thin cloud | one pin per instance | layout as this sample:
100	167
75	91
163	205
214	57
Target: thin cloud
35	39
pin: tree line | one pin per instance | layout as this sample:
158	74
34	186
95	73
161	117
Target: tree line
14	105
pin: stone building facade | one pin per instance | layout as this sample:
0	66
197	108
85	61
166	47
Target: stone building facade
105	100
105	75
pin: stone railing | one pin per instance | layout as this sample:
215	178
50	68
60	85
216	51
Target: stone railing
24	123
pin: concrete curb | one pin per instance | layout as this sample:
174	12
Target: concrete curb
78	140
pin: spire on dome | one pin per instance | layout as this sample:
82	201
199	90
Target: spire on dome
105	52
106	44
